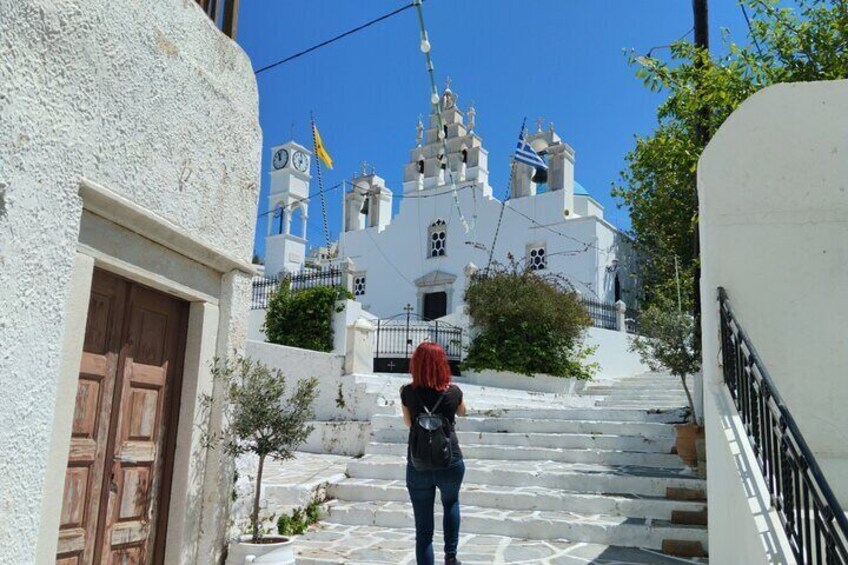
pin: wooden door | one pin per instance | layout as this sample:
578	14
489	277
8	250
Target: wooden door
435	305
119	467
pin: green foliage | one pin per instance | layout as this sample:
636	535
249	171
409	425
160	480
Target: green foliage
526	324
658	185
259	416
300	520
668	342
340	399
303	318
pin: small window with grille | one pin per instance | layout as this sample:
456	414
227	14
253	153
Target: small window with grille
537	258
359	285
438	238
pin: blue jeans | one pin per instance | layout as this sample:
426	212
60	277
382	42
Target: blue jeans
422	492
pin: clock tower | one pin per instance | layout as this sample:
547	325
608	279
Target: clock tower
288	203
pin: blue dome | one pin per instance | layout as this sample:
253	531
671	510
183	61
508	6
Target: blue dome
579	190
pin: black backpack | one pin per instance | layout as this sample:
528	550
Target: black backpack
429	442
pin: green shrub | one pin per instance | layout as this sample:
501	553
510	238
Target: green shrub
300	520
526	323
668	343
303	318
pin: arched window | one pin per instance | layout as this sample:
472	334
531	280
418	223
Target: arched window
438	238
296	223
446	132
465	156
279	225
617	288
421	166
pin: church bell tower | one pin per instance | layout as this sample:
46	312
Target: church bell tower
285	243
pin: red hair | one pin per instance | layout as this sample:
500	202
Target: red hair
429	367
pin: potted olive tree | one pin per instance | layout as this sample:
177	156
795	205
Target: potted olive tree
667	344
260	419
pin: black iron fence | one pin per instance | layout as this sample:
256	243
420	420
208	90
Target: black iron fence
263	288
601	313
396	340
811	516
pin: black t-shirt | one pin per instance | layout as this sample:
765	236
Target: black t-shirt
412	399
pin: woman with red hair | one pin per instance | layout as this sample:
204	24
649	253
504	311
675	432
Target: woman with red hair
431	391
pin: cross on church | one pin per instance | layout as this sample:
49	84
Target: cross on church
364	168
539	122
447	82
390	365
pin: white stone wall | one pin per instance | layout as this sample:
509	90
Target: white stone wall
394	257
612	354
152	102
299	364
774	232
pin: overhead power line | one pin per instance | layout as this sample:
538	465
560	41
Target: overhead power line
334	39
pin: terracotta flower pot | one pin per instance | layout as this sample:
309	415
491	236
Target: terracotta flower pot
687	435
273	550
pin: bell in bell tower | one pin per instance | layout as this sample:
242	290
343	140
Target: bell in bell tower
447	151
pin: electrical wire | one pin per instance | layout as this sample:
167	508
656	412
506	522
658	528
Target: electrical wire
750	28
334	39
436	100
389	261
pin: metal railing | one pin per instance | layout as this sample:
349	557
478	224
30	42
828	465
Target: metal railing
811	516
601	313
224	13
396	339
263	288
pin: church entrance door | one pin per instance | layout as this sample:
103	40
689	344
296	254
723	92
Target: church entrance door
397	338
435	305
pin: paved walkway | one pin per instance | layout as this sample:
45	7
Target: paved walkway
360	545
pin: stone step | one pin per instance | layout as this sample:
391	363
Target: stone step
548	441
606	414
573	477
522	498
667	386
337	544
636	404
520	453
547	426
540	525
637	393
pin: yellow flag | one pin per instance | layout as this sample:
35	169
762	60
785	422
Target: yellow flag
320	151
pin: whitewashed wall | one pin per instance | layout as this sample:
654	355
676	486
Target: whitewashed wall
773	185
394	257
613	354
149	100
342	408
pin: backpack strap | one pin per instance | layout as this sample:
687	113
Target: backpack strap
435	406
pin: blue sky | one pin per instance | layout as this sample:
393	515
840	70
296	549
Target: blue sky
562	60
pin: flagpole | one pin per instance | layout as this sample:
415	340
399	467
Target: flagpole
506	196
320	182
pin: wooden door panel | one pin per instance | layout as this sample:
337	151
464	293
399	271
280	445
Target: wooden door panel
124	426
90	426
156	326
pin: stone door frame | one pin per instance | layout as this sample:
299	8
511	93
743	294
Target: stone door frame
118	236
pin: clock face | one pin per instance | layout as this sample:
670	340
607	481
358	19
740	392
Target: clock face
300	161
281	158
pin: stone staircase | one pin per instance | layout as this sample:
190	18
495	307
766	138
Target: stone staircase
548	478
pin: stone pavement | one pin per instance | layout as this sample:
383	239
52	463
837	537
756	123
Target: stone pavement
285	485
360	545
550	479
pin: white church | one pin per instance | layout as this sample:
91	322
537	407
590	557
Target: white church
447	219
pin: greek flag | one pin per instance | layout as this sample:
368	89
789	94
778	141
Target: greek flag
525	154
